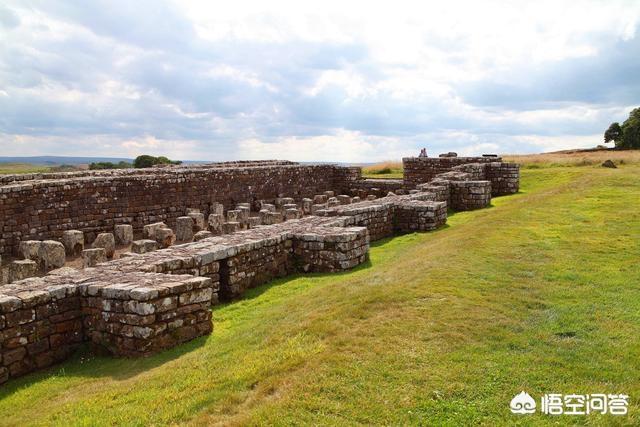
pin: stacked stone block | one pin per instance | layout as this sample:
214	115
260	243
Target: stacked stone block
418	215
40	324
469	195
132	320
504	178
420	170
332	249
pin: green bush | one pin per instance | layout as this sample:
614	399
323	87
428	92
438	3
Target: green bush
381	171
147	161
109	165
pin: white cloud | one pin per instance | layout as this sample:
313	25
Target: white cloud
331	80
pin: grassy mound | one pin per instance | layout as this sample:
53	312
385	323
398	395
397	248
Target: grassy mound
538	292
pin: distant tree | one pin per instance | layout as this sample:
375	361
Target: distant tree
631	130
109	165
146	161
627	135
124	165
614	133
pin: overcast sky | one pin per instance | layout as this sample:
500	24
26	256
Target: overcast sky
331	81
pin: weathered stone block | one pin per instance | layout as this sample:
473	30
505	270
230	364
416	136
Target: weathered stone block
254	221
202	235
184	228
165	237
291	214
92	257
319	199
106	241
198	221
51	254
123	234
306	205
344	199
143	246
232	215
216	208
73	241
230	227
149	230
215	221
29	249
315	208
22	269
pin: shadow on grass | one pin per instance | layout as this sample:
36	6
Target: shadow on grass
256	292
87	363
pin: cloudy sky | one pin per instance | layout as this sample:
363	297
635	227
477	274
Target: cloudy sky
327	81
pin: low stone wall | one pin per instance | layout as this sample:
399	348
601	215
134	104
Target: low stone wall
504	178
469	195
335	250
143	303
376	187
420	170
94	202
417	215
138	321
256	264
44	319
376	217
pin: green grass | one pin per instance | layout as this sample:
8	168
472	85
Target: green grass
16	168
392	174
537	293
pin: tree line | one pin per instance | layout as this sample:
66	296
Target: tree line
143	161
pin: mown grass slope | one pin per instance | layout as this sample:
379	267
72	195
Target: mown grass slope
539	293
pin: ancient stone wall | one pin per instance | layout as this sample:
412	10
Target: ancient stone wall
420	170
143	303
44	207
376	187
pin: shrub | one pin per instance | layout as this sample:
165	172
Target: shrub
147	161
109	165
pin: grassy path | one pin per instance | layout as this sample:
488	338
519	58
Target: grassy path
538	293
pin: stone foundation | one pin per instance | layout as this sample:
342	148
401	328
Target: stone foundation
420	170
153	299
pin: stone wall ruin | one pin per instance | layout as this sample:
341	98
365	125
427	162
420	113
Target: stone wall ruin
141	303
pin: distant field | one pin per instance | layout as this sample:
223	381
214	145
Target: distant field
388	169
14	168
574	158
538	293
393	169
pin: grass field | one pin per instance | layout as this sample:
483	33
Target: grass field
15	168
389	169
539	293
574	158
393	169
